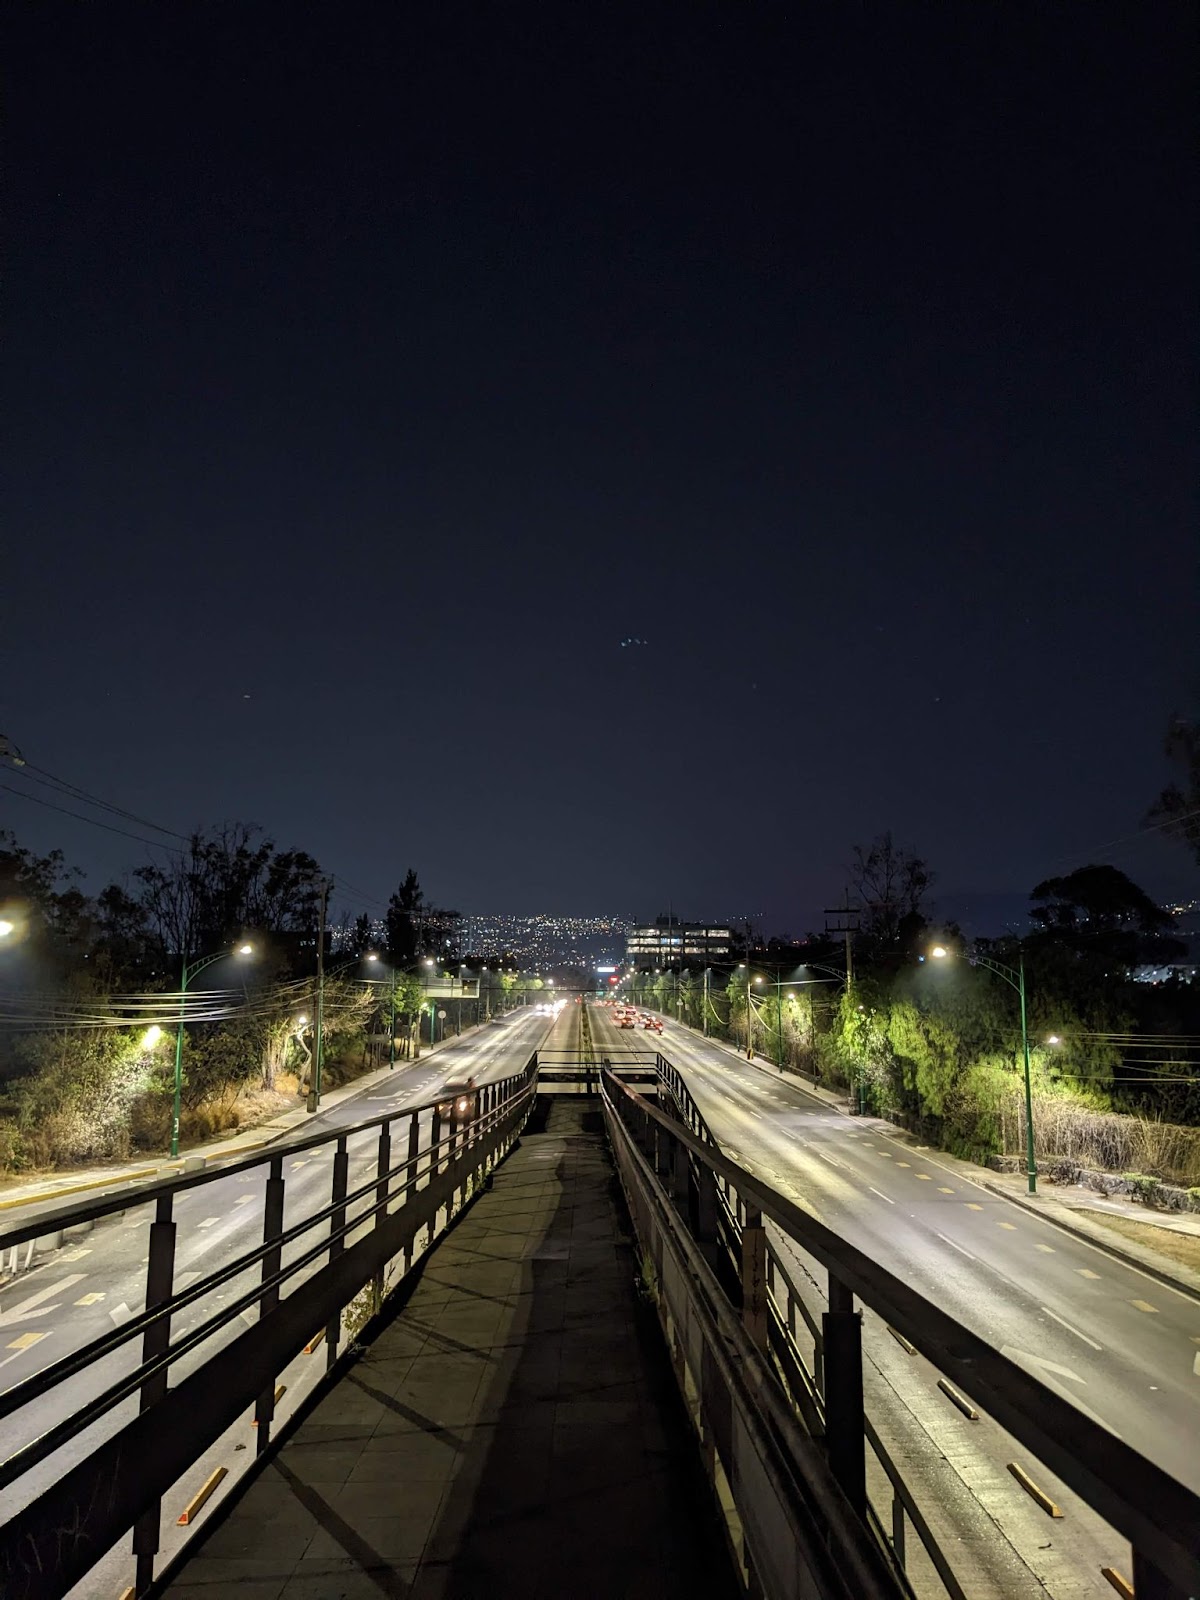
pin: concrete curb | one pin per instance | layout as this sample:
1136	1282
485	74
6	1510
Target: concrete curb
1092	1233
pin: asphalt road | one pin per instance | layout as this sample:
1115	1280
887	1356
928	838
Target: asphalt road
1118	1344
97	1280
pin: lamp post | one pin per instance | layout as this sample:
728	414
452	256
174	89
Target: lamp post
1015	978
187	973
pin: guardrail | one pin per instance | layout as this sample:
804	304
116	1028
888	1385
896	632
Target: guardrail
191	1385
700	1218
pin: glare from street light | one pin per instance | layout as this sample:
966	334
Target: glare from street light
939	951
1053	1038
6	928
371	956
245	950
151	1036
302	1022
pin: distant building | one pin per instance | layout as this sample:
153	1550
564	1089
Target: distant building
667	940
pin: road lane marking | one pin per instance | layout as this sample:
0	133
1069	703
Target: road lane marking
904	1163
26	1341
1011	1226
1086	1272
296	1164
886	1154
1052	1374
954	1245
882	1196
971	1206
924	1177
93	1299
943	1190
1144	1305
1062	1321
76	1254
1196	1364
244	1200
33	1307
208	1222
1046	1249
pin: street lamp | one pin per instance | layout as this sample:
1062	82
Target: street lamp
7	928
1015	978
187	973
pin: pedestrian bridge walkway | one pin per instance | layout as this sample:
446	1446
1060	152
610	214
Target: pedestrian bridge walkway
515	1429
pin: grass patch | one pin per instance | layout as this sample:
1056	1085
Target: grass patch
1181	1247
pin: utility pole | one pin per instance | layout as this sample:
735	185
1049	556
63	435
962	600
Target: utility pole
846	922
314	1093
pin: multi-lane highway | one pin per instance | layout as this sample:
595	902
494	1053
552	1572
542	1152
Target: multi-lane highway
1118	1344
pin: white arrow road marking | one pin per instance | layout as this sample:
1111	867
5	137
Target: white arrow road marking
1051	1373
244	1200
25	1310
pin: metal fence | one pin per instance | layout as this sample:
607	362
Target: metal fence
701	1217
146	1421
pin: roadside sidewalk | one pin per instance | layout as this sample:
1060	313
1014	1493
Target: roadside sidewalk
56	1187
1138	1235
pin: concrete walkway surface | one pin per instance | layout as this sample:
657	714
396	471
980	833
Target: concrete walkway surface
514	1430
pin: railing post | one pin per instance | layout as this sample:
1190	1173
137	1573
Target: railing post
754	1278
410	1181
341	1173
160	1275
898	1526
702	1210
264	1406
842	1342
1149	1583
383	1167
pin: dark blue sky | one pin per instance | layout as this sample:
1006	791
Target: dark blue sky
374	370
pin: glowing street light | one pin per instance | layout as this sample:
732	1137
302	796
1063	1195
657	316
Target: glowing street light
1015	978
190	972
7	928
151	1036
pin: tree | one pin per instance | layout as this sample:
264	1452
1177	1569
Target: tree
405	914
1095	900
225	882
891	884
1177	809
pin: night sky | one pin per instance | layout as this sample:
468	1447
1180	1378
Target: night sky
374	371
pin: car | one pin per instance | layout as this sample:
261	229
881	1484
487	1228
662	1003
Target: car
625	1021
459	1102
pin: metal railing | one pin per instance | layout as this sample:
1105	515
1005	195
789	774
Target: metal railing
706	1213
191	1385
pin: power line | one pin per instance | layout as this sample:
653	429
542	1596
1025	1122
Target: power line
155	844
50	780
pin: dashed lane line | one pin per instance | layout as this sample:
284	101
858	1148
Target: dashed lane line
92	1299
971	1206
942	1189
1144	1305
1046	1249
208	1222
1086	1272
882	1196
1011	1226
1062	1321
954	1245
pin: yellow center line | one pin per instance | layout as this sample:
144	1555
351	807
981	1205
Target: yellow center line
904	1163
971	1206
1011	1226
943	1190
1046	1249
90	1300
924	1177
1144	1305
1086	1272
